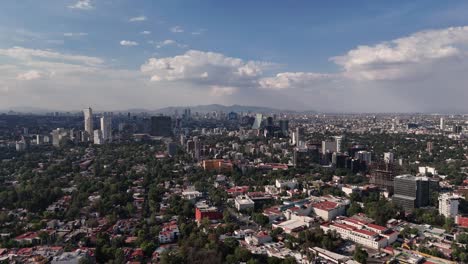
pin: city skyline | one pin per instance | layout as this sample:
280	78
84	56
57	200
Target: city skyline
357	57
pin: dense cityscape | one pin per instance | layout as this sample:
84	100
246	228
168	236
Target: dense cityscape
233	187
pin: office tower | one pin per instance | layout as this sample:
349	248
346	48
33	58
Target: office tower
88	121
187	114
58	136
300	137
389	157
365	156
21	145
161	126
305	157
183	140
411	192
39	139
196	148
106	127
338	140
442	123
171	149
328	146
258	121
25	131
98	139
284	127
457	129
448	205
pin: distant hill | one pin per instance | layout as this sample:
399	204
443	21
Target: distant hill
224	108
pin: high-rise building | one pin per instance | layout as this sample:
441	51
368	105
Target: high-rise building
338	140
328	147
88	121
98	139
284	127
442	123
383	175
171	149
448	205
365	156
389	157
258	121
411	192
300	137
106	127
161	126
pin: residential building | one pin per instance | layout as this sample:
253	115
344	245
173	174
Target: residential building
448	205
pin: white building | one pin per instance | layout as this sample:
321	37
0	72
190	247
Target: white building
106	127
98	139
20	145
328	210
426	170
366	234
442	123
389	157
338	140
448	205
243	202
88	121
291	184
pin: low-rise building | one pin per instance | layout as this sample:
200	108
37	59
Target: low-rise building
243	202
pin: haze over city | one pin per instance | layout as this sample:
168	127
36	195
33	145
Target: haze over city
359	56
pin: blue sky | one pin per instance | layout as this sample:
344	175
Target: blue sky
300	38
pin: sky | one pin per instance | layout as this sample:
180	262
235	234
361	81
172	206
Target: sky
328	56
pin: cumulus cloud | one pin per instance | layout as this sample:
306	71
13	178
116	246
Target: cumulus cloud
177	29
146	32
138	19
404	57
128	43
168	42
29	75
82	4
206	68
286	80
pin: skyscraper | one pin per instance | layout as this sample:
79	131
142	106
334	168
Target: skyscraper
284	127
411	192
442	123
161	126
106	127
258	121
88	121
338	140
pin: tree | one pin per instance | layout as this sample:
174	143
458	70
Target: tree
360	255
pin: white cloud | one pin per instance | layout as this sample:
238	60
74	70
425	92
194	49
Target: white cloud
128	43
220	91
145	32
138	19
25	54
82	4
75	34
168	42
404	57
29	75
205	68
177	29
286	80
